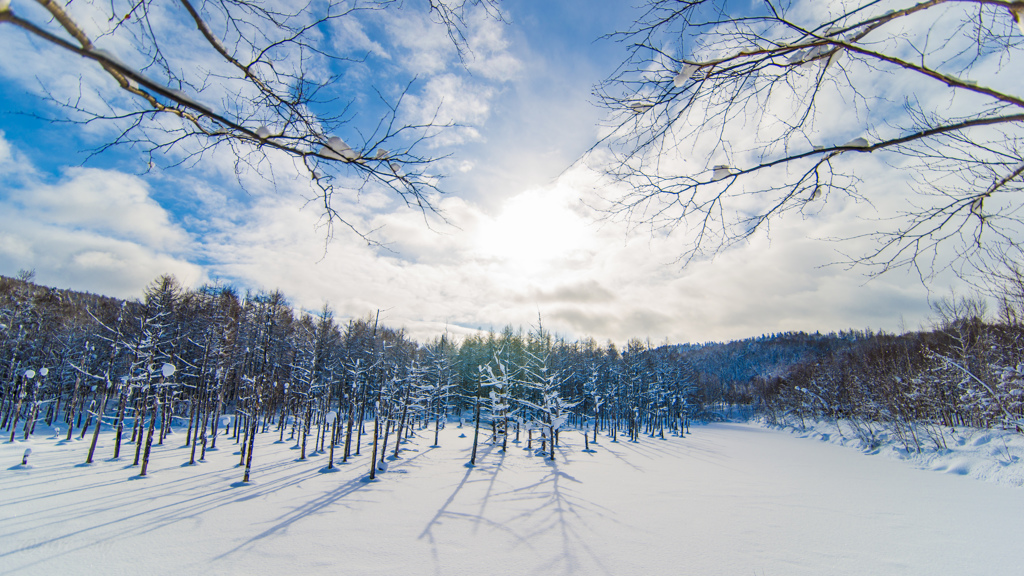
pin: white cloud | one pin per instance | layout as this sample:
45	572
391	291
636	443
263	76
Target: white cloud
490	50
349	36
451	99
520	243
103	201
536	253
96	230
85	260
425	47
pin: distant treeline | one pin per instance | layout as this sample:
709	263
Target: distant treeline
966	372
193	357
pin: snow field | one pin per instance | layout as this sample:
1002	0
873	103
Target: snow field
727	499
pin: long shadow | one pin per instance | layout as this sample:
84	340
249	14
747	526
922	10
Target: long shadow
483	468
182	502
177	510
170	489
552	509
563	510
312	507
328	499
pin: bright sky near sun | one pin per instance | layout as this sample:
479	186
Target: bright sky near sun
520	241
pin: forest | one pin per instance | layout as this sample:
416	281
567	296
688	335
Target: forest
215	364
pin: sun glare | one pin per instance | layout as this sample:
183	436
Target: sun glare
534	230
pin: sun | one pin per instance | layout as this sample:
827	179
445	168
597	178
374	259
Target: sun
535	230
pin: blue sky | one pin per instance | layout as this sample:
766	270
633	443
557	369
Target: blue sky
520	240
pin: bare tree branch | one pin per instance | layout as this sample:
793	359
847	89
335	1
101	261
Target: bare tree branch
722	115
259	79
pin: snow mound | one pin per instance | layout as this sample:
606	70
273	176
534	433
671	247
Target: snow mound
995	456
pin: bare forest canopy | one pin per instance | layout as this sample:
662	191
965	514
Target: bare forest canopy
208	358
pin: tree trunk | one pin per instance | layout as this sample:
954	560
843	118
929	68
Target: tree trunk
348	434
359	431
17	410
96	431
244	438
122	401
387	434
476	430
437	429
149	436
305	430
373	460
330	461
398	437
140	417
252	444
88	420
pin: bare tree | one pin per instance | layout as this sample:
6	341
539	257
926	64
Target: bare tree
727	115
262	80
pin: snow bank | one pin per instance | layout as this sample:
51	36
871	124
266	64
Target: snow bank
990	455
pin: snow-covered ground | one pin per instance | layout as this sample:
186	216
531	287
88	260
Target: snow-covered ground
731	499
990	455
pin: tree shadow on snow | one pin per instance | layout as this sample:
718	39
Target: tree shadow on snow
312	507
549	511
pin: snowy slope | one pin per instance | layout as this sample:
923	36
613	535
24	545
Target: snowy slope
728	499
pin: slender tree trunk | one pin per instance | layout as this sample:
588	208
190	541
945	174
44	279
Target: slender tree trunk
17	410
305	430
192	414
387	434
244	439
74	401
373	460
348	435
476	430
359	434
140	417
165	416
330	461
122	401
149	436
99	423
398	437
88	420
216	415
504	437
202	436
252	444
325	427
437	429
